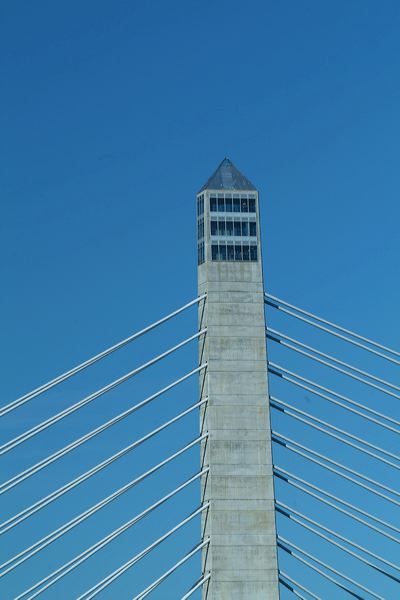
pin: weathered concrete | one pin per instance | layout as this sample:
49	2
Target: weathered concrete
242	555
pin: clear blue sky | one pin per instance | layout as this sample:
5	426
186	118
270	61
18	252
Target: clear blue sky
113	114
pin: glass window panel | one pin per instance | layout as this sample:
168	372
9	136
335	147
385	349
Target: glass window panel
214	251
252	205
229	228
222	251
237	228
245	228
221	226
213	204
221	205
253	229
230	252
246	254
236	205
238	251
228	203
253	252
244	205
214	227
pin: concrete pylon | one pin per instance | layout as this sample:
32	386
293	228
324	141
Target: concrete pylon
242	554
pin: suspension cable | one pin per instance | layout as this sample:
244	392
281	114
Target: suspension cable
281	337
286	375
51	537
176	566
337	437
340	465
287	476
334	333
325	575
334	367
291	446
299	585
98	587
288	512
339	327
4	487
59	573
64	413
60	378
198	585
27	512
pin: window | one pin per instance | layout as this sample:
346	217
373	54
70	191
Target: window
253	229
214	252
228	203
222	251
253	252
221	226
237	228
213	204
230	252
238	251
214	227
244	205
252	205
245	228
221	204
246	253
236	205
229	227
200	253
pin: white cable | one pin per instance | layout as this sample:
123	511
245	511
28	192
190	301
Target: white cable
59	573
27	512
340	465
288	512
286	477
64	413
338	369
51	537
332	579
89	594
4	487
274	332
294	582
46	386
291	446
285	374
176	566
339	327
341	439
196	586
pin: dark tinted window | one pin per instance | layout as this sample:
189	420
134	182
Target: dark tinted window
253	229
244	205
228	203
246	253
213	204
229	228
214	228
236	205
252	205
222	251
230	252
245	228
237	228
214	251
221	227
221	205
238	251
253	252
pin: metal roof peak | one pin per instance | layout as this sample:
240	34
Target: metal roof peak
227	177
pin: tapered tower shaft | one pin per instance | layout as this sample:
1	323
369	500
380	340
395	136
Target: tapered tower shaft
242	554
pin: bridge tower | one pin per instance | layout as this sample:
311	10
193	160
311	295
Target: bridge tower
242	553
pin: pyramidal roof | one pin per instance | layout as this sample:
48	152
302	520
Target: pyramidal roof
227	177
